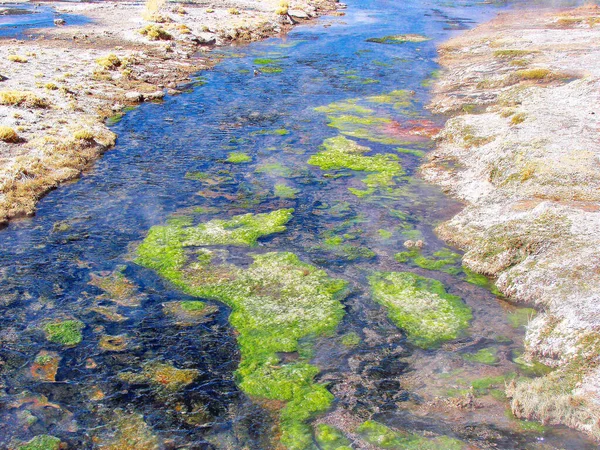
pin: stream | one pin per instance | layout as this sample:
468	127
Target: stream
141	371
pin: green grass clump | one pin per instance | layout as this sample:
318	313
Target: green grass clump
342	153
285	191
276	302
330	438
483	356
421	307
238	158
399	39
381	436
7	134
42	442
66	332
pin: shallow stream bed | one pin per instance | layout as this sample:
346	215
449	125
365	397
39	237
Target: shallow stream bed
104	343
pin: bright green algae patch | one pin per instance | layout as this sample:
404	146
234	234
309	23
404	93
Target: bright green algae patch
42	442
330	438
238	158
381	436
342	153
276	302
421	307
66	332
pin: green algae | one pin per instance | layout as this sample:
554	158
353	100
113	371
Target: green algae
42	442
399	39
344	107
444	260
385	234
271	69
381	436
238	158
484	356
342	153
351	339
411	151
331	438
520	317
274	169
193	306
66	332
276	302
285	191
421	307
480	280
264	61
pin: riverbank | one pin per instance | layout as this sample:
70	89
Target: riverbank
521	150
58	89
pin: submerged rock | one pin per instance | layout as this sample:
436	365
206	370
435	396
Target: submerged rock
164	376
45	366
65	332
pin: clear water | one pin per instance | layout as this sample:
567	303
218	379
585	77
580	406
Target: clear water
90	228
17	19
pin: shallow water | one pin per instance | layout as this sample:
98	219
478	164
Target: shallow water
50	265
17	19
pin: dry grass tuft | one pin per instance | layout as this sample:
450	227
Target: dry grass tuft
22	98
7	134
109	62
17	58
155	33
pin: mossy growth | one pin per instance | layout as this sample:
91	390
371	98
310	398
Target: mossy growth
385	234
129	432
351	339
264	61
520	317
331	438
276	302
7	134
238	158
65	332
488	385
483	356
285	191
421	307
381	436
41	442
399	39
342	153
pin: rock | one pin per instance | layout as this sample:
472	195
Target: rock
157	95
206	38
134	96
59	22
297	14
342	6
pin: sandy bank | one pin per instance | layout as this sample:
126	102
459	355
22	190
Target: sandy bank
522	150
57	90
